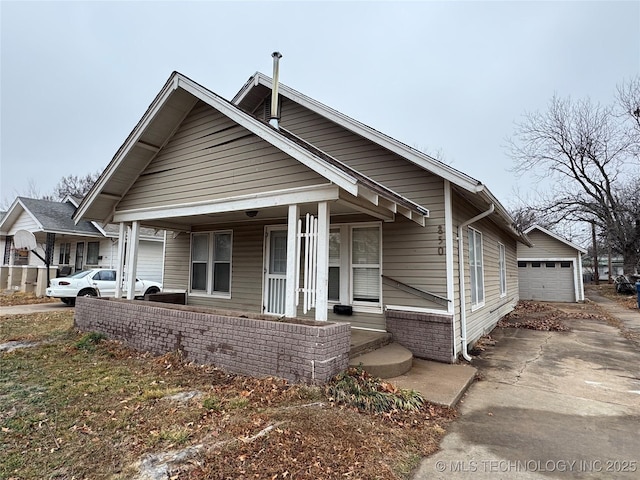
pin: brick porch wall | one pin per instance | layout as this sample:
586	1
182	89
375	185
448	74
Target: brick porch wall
299	352
426	335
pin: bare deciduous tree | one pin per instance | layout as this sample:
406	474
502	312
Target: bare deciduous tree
588	154
74	185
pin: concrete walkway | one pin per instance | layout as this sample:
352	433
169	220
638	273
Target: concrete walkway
629	318
551	405
34	308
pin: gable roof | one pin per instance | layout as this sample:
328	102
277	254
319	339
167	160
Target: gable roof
49	216
555	236
259	86
164	116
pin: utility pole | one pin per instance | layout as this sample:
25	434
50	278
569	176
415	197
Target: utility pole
596	273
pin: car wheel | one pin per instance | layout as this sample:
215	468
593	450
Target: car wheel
88	293
152	290
66	301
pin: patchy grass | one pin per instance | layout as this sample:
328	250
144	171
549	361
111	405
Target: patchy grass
35	327
8	299
73	412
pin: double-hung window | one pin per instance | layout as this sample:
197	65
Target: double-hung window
476	268
65	254
355	266
502	267
211	263
93	252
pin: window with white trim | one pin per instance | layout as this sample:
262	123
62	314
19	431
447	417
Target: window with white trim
476	270
65	254
355	266
502	268
211	263
93	252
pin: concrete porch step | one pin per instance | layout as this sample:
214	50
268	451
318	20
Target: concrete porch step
389	361
364	341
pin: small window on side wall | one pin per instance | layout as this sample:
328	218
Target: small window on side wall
522	264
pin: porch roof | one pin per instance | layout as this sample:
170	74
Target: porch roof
47	216
163	117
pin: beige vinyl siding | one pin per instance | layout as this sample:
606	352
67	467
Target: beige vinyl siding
247	275
410	252
210	157
545	246
410	256
365	156
246	267
483	319
177	251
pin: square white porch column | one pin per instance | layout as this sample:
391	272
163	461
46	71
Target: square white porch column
322	272
122	241
132	259
291	287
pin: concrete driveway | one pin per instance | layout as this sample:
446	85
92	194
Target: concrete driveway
551	405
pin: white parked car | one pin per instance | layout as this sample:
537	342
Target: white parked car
97	282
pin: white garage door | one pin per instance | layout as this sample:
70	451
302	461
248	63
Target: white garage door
547	281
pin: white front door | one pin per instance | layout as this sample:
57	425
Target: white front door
275	272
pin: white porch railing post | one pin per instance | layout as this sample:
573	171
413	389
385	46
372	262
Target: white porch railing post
291	287
322	282
122	240
132	259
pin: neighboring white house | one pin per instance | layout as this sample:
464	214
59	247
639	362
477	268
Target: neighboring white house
551	270
75	246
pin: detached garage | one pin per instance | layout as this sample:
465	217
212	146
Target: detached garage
551	270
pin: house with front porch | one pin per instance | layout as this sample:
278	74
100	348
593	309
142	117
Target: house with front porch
312	216
72	246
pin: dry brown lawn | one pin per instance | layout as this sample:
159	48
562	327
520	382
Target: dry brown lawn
78	407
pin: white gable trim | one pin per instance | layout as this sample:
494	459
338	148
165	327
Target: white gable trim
12	216
177	80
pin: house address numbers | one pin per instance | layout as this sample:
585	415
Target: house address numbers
441	247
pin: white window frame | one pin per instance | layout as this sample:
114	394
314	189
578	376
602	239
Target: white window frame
64	254
478	270
210	264
346	267
97	254
502	269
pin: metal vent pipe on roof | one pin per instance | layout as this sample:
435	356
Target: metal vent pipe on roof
275	114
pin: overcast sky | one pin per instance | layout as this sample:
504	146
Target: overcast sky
450	78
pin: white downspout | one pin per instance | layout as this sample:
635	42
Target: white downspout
463	312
